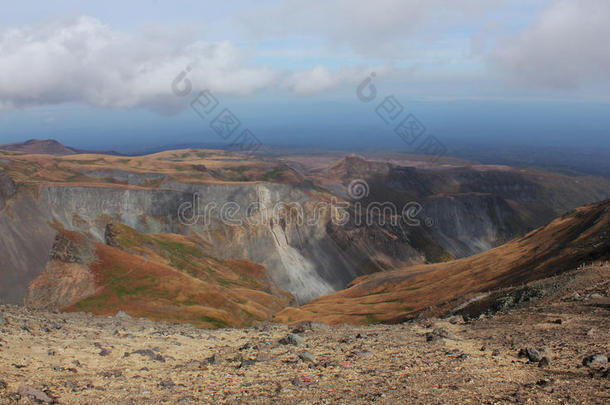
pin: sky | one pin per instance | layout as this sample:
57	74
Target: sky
124	75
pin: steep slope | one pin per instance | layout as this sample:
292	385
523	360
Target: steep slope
164	277
571	240
25	240
474	207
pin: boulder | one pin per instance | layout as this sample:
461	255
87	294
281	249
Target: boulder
595	360
292	339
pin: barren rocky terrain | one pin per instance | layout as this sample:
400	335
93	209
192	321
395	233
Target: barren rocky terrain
81	358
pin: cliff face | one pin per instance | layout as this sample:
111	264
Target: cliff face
7	188
308	257
464	211
66	278
467	224
567	243
25	241
298	253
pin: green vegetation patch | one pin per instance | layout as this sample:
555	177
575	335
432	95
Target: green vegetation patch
274	174
217	323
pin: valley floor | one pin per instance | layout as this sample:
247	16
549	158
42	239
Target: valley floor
79	358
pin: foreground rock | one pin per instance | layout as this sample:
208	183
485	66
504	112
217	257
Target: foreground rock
534	355
388	364
595	360
29	392
292	339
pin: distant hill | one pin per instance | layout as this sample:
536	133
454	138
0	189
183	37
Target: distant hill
47	147
36	146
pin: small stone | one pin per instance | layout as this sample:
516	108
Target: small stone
439	334
495	353
558	321
595	360
534	355
112	373
213	359
302	327
2	320
247	363
296	381
292	339
544	362
3	385
123	315
29	392
167	384
307	357
150	354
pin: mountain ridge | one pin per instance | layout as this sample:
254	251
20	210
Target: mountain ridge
47	147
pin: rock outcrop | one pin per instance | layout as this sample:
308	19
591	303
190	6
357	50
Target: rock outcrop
7	188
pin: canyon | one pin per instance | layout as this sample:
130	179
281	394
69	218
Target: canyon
153	205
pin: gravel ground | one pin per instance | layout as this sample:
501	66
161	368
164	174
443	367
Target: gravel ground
80	358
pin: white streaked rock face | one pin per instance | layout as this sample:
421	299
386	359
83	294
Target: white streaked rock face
307	270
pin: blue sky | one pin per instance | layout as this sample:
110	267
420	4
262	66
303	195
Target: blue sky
99	74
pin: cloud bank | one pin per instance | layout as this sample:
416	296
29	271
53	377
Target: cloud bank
372	28
84	61
565	47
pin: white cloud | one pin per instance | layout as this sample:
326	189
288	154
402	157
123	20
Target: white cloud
379	28
566	47
320	78
83	60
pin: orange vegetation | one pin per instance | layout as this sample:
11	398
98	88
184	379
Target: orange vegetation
575	238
